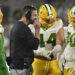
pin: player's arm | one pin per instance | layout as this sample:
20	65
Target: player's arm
0	36
59	41
60	37
57	50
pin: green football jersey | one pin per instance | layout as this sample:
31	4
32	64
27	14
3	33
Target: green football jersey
3	67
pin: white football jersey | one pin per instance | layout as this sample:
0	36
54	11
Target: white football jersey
48	36
69	52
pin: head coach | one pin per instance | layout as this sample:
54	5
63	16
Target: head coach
23	42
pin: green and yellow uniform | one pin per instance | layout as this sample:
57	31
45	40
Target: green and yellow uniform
47	42
3	67
69	52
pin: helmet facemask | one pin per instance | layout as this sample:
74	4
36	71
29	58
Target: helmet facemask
47	23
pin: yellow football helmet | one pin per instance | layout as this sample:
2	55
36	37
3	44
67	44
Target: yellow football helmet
47	15
71	16
1	16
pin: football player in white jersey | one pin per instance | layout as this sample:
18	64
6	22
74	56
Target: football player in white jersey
51	41
68	56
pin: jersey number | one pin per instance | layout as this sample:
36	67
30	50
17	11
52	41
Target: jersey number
71	39
51	39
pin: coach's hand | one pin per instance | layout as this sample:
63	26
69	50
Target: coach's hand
37	28
36	25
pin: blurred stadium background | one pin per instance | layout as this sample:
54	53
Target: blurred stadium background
12	11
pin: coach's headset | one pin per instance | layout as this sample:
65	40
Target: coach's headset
29	11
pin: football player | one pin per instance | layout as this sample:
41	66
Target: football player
51	41
68	56
3	66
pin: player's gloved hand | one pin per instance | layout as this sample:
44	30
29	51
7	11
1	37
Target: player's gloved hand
61	63
57	49
53	55
73	72
43	53
46	54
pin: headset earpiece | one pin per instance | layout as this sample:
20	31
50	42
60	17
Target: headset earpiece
28	11
28	14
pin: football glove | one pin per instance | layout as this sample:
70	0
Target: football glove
73	72
43	53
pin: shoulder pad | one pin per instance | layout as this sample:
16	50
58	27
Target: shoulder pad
1	29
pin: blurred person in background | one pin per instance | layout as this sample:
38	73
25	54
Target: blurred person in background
3	66
17	14
51	41
6	12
